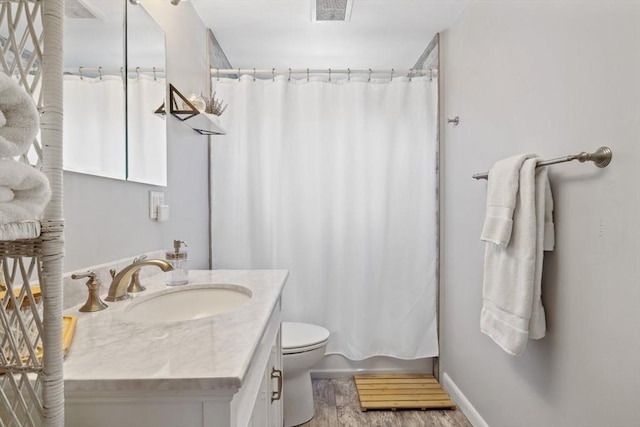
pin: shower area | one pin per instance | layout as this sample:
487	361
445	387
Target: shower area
333	176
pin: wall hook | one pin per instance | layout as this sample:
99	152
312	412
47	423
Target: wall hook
455	121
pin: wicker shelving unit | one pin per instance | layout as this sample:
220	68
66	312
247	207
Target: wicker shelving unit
31	325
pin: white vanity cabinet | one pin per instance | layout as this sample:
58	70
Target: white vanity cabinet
250	406
222	373
259	402
267	411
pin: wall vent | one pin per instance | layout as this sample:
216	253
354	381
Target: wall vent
77	9
331	10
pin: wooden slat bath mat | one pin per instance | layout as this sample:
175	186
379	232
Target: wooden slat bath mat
401	391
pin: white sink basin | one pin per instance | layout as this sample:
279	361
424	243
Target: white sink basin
188	303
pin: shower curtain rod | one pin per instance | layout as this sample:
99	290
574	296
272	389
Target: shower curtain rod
289	71
601	158
112	70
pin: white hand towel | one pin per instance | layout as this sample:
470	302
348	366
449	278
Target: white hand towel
545	241
30	192
20	120
549	226
509	272
501	199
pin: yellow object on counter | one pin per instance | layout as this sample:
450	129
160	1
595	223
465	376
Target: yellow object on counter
68	331
35	291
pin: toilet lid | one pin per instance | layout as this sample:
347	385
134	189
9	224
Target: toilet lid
302	336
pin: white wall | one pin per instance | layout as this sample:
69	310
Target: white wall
554	78
108	219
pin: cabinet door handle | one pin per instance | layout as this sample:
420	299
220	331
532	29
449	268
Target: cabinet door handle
276	395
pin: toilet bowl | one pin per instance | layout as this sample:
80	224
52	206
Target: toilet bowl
303	345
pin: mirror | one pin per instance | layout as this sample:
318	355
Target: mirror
110	126
146	88
94	91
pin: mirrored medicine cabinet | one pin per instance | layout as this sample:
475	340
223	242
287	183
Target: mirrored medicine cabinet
114	84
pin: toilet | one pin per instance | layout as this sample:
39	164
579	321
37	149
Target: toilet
303	345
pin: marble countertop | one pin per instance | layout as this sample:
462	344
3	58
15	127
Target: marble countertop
111	354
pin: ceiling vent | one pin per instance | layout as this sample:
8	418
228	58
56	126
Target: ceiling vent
331	10
77	9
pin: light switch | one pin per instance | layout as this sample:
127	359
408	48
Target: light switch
156	198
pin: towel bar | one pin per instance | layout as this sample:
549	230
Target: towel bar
601	158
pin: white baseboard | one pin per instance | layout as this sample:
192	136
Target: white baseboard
463	403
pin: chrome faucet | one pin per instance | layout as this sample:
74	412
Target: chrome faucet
120	281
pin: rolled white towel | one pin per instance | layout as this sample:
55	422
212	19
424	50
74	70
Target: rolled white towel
19	118
25	189
6	194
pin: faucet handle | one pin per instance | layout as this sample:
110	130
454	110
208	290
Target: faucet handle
89	274
138	259
94	303
134	283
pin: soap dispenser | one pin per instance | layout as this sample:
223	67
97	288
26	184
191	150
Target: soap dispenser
178	260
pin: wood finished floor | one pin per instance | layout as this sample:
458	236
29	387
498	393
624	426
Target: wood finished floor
337	405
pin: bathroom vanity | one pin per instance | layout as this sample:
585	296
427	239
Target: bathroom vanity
216	371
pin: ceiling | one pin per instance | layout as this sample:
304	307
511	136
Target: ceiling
381	34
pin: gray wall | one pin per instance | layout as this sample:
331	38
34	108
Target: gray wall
554	78
108	219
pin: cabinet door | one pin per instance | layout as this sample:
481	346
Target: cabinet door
268	408
261	408
276	414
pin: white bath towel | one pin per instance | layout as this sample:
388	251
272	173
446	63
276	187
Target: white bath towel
512	310
25	189
545	241
19	118
20	230
501	199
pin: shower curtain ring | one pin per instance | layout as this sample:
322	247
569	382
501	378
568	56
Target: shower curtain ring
348	74
80	71
289	74
392	71
307	74
217	74
369	74
138	72
329	74
155	78
254	74
410	73
273	74
100	72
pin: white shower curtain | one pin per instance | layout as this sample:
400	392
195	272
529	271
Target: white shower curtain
94	125
336	182
146	131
